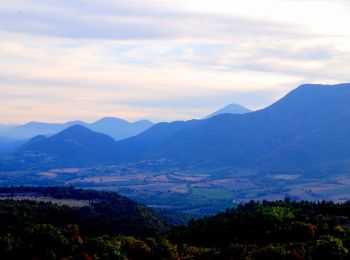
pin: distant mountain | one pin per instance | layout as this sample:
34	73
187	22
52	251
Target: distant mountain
117	128
324	138
309	125
76	146
32	129
231	109
138	147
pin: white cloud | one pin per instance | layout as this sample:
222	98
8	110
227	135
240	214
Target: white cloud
62	60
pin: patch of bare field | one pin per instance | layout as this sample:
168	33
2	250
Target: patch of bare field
108	178
49	175
61	202
66	170
161	187
188	178
286	177
343	180
98	179
226	183
185	174
159	178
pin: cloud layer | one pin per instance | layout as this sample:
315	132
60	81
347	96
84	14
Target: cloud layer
163	60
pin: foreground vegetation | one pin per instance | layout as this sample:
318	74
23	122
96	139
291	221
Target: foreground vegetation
113	227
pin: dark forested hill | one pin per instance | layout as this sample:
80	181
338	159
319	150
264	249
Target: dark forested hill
272	230
75	146
107	227
113	227
105	212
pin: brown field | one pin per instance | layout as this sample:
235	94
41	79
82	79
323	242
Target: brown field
49	175
67	202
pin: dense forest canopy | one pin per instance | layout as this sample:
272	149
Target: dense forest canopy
113	227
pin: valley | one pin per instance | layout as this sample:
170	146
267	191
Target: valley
294	149
195	191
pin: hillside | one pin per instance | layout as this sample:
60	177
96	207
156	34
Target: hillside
299	124
113	227
109	212
75	146
272	230
33	229
140	146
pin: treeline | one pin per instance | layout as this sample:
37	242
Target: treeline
273	230
107	212
65	192
113	227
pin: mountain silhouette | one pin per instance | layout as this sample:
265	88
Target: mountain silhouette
230	109
307	127
117	128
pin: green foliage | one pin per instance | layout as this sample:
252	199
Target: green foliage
256	230
104	247
272	230
328	247
135	248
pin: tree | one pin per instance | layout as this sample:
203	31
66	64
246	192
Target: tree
328	247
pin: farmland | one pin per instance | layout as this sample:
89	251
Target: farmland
194	191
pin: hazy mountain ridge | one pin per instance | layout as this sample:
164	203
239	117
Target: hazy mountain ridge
230	109
310	125
308	113
117	128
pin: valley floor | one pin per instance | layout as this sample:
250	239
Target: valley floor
198	192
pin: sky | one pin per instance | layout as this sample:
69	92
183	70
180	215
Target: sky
163	60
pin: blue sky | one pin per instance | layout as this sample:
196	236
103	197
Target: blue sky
163	60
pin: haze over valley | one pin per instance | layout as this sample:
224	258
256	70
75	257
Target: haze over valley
297	148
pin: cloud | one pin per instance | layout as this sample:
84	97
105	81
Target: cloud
132	20
62	60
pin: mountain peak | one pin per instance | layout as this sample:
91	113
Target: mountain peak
77	128
78	132
231	109
75	145
110	120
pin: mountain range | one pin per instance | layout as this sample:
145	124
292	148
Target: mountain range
117	128
309	126
12	136
114	127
